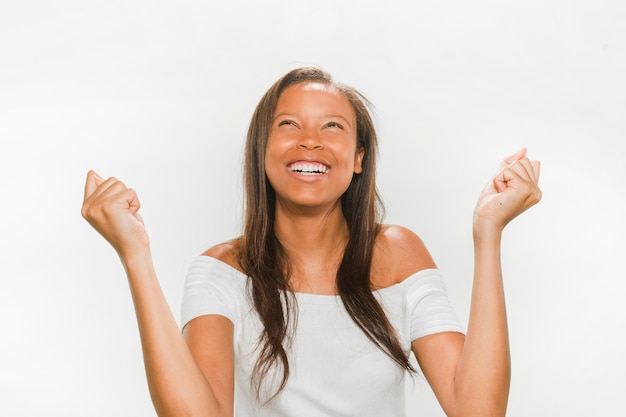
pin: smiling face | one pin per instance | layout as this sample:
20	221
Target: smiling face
312	153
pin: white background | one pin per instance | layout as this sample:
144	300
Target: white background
159	94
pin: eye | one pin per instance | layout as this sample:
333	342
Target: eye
334	124
287	122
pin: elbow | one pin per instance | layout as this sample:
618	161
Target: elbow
182	407
482	400
478	411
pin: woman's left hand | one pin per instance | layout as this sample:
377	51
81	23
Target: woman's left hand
512	191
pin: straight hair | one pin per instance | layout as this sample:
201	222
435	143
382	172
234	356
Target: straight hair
265	261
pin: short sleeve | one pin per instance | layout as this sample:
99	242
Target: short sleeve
429	306
211	287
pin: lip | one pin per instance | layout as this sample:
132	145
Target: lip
309	160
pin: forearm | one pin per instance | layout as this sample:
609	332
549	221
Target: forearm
482	377
482	374
177	386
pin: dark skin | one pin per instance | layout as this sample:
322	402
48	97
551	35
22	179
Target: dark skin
311	157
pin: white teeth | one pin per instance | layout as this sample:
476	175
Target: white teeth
308	169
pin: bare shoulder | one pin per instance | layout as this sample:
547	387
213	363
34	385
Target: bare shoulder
398	254
227	252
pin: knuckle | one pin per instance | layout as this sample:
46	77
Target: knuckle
119	186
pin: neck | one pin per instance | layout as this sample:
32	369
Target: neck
314	242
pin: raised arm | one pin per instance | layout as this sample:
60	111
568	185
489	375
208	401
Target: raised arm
177	384
471	376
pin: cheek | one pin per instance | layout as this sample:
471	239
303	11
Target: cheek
272	165
346	155
272	158
270	151
276	147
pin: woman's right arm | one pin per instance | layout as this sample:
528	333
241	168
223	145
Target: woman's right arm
192	377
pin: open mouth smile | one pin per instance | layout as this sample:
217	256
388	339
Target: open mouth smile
308	168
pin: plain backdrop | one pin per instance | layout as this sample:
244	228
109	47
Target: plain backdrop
159	94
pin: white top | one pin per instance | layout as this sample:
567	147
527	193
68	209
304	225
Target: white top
335	370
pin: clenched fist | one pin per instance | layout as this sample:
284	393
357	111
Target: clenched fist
513	190
112	209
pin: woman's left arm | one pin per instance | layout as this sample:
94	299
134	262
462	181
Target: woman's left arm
471	376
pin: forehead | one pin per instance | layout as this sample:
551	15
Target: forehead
316	95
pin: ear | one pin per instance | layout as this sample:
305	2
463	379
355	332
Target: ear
358	160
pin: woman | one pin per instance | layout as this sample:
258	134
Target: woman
315	309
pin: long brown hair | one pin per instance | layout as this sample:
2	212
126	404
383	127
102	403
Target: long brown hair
264	260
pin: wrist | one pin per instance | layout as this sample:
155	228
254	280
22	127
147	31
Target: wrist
135	257
487	232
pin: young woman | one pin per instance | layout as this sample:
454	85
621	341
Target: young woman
315	309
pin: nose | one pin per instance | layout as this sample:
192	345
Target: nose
310	140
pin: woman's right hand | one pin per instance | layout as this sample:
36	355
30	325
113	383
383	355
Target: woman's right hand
112	209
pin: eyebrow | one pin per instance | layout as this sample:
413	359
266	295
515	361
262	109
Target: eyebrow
337	116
